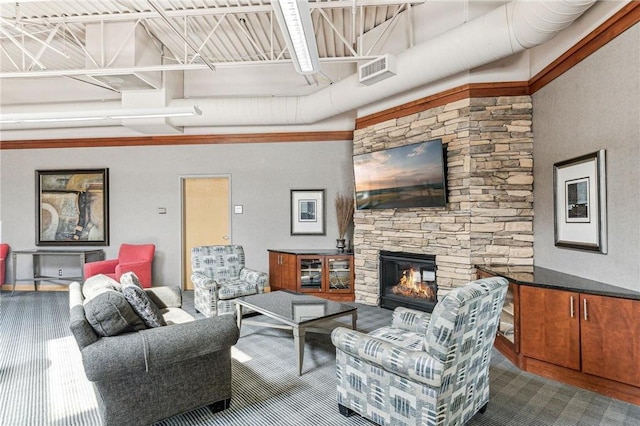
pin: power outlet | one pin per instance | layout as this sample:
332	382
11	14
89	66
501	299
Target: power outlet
59	272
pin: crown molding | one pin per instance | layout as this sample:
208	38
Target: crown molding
238	138
625	18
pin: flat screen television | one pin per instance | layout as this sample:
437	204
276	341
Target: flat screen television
407	176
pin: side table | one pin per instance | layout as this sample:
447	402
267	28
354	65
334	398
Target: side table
83	257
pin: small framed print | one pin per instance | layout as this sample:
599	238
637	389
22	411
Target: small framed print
580	203
308	212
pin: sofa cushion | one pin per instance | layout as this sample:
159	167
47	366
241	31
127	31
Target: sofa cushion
142	304
97	283
130	278
110	314
176	316
236	288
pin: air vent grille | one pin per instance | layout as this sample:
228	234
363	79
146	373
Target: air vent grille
378	69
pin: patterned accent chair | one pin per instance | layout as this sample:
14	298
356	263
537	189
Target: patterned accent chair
219	276
426	368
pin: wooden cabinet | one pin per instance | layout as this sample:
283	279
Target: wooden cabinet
566	331
597	335
282	268
323	274
550	326
610	335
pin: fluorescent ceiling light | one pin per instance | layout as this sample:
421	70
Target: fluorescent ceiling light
294	18
55	119
116	114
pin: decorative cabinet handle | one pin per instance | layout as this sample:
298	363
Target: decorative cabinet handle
586	315
572	309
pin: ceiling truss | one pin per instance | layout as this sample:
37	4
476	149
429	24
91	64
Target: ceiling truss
40	39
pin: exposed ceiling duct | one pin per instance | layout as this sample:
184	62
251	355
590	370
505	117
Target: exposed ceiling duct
505	31
122	45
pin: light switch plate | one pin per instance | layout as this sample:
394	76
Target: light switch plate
237	209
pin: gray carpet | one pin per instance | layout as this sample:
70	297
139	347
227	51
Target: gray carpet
42	381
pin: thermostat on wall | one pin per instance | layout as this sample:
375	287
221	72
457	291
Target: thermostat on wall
237	209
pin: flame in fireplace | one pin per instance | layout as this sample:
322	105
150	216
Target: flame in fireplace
410	285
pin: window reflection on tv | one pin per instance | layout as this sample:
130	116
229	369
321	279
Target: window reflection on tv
403	177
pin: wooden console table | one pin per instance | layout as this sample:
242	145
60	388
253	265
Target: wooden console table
83	257
571	329
324	273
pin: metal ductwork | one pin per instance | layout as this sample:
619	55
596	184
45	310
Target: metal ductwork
505	31
123	45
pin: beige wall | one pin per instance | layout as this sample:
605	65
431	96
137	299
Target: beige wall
145	178
595	105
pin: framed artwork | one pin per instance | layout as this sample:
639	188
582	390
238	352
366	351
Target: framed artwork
580	202
72	207
308	212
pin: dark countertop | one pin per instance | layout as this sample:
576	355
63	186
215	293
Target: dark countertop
536	276
327	252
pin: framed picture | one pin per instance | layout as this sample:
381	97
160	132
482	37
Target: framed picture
72	207
580	202
308	212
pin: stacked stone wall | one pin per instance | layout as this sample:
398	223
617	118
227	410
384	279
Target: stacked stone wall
489	214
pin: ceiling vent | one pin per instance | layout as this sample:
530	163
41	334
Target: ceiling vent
124	46
378	69
123	82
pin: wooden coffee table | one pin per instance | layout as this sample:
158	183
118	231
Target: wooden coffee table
297	312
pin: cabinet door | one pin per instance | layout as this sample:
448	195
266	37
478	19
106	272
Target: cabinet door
275	275
310	273
339	274
288	268
610	330
549	326
282	271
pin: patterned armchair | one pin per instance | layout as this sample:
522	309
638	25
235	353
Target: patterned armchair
219	276
425	369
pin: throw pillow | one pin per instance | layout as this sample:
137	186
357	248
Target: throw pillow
97	283
129	278
110	314
143	305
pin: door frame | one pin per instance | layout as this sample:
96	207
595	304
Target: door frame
182	179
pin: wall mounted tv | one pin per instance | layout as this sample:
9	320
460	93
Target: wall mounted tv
407	176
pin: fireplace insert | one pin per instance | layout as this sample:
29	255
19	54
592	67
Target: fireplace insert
409	280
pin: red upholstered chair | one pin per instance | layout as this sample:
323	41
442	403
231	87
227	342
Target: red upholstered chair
4	251
136	258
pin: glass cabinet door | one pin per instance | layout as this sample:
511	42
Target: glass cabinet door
310	273
507	319
340	274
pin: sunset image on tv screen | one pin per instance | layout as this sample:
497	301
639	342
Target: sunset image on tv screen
407	176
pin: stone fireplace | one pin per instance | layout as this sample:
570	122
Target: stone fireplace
489	214
408	279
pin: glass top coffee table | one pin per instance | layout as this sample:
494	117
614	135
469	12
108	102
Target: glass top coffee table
297	312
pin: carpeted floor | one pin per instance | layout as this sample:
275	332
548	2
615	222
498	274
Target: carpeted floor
42	381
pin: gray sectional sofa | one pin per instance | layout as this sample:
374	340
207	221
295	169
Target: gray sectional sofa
142	375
